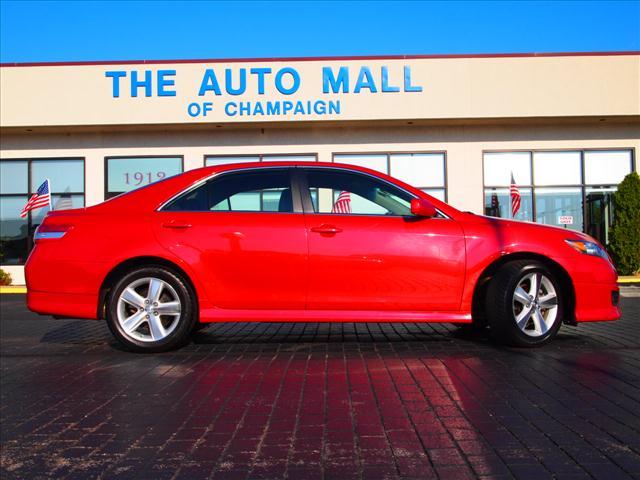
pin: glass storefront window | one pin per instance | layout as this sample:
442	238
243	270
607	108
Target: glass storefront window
14	231
66	176
497	203
13	176
606	167
561	207
373	161
210	160
424	169
438	193
128	173
288	158
571	188
498	168
67	179
557	168
599	212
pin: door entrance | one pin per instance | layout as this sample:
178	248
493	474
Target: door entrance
599	213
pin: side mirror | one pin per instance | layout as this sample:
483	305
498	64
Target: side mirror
423	208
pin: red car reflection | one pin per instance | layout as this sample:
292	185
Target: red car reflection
307	242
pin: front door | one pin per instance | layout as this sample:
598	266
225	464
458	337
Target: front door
368	252
244	235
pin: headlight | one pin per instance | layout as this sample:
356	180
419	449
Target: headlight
588	248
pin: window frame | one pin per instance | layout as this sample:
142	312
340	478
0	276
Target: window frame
582	185
293	185
389	153
29	192
108	195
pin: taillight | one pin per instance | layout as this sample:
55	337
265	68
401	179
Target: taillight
47	231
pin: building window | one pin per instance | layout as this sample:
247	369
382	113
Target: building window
19	179
569	188
426	171
211	160
124	174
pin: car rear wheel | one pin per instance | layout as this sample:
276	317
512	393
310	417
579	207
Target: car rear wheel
524	304
151	309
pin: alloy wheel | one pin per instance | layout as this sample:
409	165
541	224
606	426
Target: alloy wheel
148	309
535	304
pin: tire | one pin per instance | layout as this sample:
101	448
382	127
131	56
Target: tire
135	309
524	304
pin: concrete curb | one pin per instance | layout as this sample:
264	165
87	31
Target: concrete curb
629	280
13	289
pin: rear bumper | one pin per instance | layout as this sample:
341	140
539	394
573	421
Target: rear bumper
71	305
597	302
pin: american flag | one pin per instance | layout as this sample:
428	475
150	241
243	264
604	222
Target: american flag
343	204
515	197
40	199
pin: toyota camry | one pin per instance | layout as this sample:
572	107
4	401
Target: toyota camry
309	242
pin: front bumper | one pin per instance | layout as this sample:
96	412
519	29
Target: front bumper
597	302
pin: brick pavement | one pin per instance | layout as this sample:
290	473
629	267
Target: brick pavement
306	401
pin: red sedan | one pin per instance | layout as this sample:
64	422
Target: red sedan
317	242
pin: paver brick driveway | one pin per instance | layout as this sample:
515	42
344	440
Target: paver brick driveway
305	401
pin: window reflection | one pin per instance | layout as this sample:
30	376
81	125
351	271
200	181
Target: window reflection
557	168
64	177
498	168
571	189
497	203
211	160
560	207
606	166
128	173
14	231
425	171
13	176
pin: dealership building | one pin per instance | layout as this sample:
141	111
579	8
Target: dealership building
564	127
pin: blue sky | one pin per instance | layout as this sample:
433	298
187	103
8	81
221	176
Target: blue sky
84	31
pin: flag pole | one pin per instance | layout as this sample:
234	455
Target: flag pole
50	199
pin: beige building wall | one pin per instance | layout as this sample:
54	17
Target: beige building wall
467	106
464	88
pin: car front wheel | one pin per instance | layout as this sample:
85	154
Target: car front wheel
524	304
151	309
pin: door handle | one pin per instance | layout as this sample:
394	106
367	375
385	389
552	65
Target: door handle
326	229
176	225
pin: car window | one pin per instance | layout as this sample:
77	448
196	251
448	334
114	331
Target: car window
253	191
340	192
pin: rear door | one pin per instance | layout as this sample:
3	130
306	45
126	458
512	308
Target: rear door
368	252
243	233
